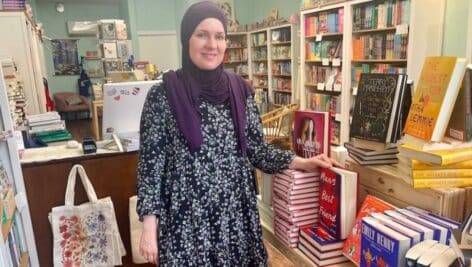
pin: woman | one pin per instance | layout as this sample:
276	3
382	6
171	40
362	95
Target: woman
200	134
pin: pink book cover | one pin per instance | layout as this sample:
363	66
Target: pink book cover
311	134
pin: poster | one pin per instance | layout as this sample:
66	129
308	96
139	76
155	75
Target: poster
65	57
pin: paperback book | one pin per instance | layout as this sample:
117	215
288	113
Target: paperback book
312	133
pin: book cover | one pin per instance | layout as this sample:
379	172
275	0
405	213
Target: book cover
376	106
382	246
452	224
320	239
442	182
370	152
352	246
460	125
415	236
420	165
338	195
437	157
320	262
434	98
441	173
427	232
311	133
441	233
361	161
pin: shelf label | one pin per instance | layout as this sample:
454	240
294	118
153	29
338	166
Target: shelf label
319	37
336	62
320	86
401	29
325	61
337	87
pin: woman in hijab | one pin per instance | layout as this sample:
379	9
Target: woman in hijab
200	136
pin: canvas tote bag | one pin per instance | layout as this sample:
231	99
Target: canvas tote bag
87	234
136	228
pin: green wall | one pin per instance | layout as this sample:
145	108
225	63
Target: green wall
55	28
250	11
455	28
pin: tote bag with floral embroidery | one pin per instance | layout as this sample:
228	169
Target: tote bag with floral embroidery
86	234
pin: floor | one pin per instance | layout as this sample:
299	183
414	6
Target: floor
83	128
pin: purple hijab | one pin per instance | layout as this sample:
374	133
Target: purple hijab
185	86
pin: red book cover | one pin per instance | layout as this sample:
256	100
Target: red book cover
352	245
338	197
312	134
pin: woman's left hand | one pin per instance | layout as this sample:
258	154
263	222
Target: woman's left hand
312	164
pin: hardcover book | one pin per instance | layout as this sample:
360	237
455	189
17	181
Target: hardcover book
352	246
369	152
320	239
338	197
312	134
427	231
382	246
460	125
376	110
437	157
434	98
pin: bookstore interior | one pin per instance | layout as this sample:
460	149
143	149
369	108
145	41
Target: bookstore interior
382	87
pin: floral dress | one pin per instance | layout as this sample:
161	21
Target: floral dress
206	200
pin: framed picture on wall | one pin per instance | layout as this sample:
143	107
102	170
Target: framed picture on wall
228	9
65	57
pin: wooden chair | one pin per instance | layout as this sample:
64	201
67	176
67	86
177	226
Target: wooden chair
277	125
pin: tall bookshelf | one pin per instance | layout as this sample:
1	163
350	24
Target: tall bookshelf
409	38
237	55
273	65
324	68
17	244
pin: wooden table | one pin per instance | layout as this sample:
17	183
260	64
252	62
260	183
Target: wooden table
111	174
96	104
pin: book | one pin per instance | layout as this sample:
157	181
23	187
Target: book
433	101
441	173
419	165
374	157
320	255
338	196
460	125
415	236
413	254
427	232
442	182
373	161
441	232
319	262
466	235
369	152
312	133
352	246
382	246
376	110
434	217
320	239
448	258
438	157
431	254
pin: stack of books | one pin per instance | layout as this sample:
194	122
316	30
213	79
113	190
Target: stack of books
377	119
295	199
130	144
323	243
45	122
14	4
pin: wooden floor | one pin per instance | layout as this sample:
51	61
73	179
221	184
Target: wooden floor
83	128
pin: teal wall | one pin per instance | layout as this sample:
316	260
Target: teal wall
455	28
250	11
55	28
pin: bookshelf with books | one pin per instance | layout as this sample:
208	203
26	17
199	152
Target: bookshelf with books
273	65
236	55
17	244
323	67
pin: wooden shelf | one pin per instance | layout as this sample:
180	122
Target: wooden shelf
388	29
379	61
260	46
282	43
282	91
260	74
325	34
324	92
235	61
282	59
282	75
259	60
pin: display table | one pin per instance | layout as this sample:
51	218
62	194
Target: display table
385	182
112	174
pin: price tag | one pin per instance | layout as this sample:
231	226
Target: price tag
336	62
401	29
320	86
325	61
319	37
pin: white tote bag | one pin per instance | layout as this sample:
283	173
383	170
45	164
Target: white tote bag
87	234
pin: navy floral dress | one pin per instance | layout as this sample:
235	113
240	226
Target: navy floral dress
205	201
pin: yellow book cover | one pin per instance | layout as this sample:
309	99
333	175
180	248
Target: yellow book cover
435	95
419	165
441	173
441	183
438	157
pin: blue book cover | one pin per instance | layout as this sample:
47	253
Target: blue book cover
381	246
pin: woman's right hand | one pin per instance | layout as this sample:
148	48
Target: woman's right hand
148	244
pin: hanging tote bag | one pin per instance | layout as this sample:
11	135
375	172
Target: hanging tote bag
85	235
136	228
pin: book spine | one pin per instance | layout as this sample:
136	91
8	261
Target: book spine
419	165
440	183
457	157
441	173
